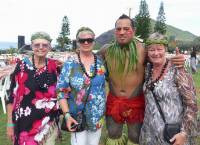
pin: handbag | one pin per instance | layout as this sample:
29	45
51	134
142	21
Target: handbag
170	129
80	118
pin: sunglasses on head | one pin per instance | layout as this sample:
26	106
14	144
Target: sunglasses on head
89	40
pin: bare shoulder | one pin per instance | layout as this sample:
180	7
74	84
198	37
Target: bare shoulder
141	52
140	47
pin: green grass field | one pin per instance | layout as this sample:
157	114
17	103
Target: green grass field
66	136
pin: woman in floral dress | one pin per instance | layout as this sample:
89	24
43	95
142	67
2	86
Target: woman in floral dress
174	90
82	76
32	105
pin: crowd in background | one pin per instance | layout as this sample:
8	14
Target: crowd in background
33	98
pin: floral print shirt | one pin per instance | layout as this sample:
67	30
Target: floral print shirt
34	109
73	85
177	98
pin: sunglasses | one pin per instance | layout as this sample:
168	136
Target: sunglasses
38	45
89	40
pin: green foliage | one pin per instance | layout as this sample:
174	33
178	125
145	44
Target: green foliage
172	43
160	25
143	25
3	120
171	31
97	46
116	63
196	43
11	50
187	45
178	33
63	39
184	45
3	51
196	78
66	135
183	39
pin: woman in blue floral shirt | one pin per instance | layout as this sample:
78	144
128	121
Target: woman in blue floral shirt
83	76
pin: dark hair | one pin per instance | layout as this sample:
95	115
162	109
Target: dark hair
193	53
123	16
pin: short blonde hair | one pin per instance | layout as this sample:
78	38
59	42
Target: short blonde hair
84	29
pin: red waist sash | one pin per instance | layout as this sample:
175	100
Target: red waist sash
126	110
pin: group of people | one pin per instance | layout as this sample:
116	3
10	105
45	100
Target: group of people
38	91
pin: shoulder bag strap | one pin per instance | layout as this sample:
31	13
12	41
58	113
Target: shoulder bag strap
158	105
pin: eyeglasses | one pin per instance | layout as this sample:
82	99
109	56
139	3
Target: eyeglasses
43	45
89	40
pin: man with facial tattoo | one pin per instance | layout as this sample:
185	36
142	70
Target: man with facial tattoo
125	59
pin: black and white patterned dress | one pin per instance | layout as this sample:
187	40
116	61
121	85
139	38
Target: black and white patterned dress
177	98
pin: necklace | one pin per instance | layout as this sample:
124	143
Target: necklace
83	68
42	79
152	83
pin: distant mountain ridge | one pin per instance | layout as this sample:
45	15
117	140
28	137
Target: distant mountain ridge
6	45
108	36
179	34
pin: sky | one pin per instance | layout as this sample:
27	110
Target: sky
24	17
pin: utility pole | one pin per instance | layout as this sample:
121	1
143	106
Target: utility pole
129	12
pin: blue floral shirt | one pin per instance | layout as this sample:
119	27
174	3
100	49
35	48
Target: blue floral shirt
73	85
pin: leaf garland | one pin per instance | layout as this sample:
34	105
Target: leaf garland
121	60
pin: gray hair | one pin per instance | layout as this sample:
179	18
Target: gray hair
156	38
41	35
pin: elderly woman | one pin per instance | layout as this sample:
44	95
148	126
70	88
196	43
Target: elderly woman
81	90
172	89
32	105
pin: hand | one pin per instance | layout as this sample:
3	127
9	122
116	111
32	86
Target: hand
178	60
179	138
10	133
59	63
70	122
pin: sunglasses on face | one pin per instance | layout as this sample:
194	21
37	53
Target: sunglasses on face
89	40
43	45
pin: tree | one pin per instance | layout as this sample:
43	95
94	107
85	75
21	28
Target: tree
184	45
11	50
63	40
196	43
172	43
160	25
143	24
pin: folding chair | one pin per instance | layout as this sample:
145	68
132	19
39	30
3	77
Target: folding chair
3	91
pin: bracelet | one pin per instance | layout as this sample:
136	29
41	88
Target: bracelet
10	125
67	115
